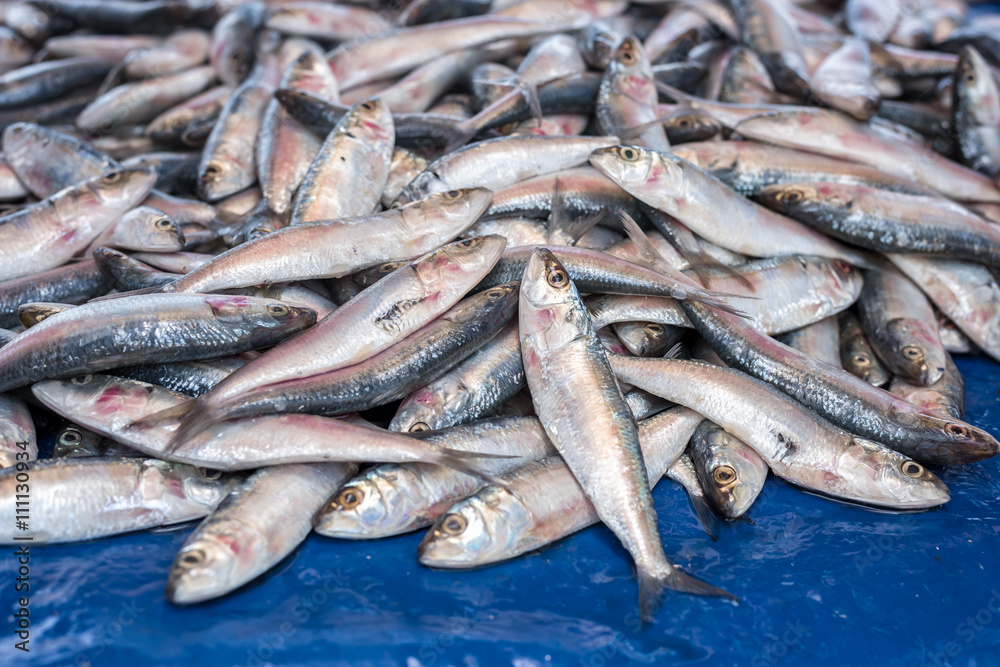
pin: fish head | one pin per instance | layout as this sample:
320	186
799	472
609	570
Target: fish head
476	531
20	139
898	480
917	349
370	276
105	403
75	440
975	91
948	441
838	281
384	501
803	199
207	567
465	204
691	125
150	229
454	263
644	339
421	409
731	473
266	317
639	169
628	60
122	187
494	306
370	121
550	308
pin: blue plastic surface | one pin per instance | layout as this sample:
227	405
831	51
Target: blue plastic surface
819	581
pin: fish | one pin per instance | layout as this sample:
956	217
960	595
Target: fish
104	334
473	389
46	235
79	499
135	103
259	523
174	125
540	502
76	442
31	314
647	339
730	471
702	202
856	353
887	221
748	167
334	248
325	22
376	318
46	81
901	326
497	163
143	228
966	292
976	112
946	397
229	160
393	499
231	50
798	445
72	283
350	171
626	102
811	130
566	367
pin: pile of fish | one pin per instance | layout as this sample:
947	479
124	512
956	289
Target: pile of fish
492	268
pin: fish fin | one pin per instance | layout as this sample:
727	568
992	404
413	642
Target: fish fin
677	94
706	517
675	352
155	289
459	460
168	415
561	227
534	103
652	586
115	76
651	258
700	261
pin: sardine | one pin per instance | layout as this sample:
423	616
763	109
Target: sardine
17	432
730	471
857	355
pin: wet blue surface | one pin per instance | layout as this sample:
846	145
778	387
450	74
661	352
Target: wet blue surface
819	581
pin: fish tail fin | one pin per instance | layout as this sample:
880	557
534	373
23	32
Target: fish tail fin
534	103
452	135
654	584
706	517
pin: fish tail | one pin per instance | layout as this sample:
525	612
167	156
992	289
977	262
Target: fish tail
654	584
706	517
561	224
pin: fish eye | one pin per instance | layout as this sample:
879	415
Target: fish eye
654	328
724	475
277	310
970	77
212	169
454	524
112	177
957	430
350	497
367	106
792	196
388	267
496	293
912	469
861	360
210	473
164	223
419	426
683	122
557	277
453	194
468	243
81	380
913	353
70	436
193	558
628	154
